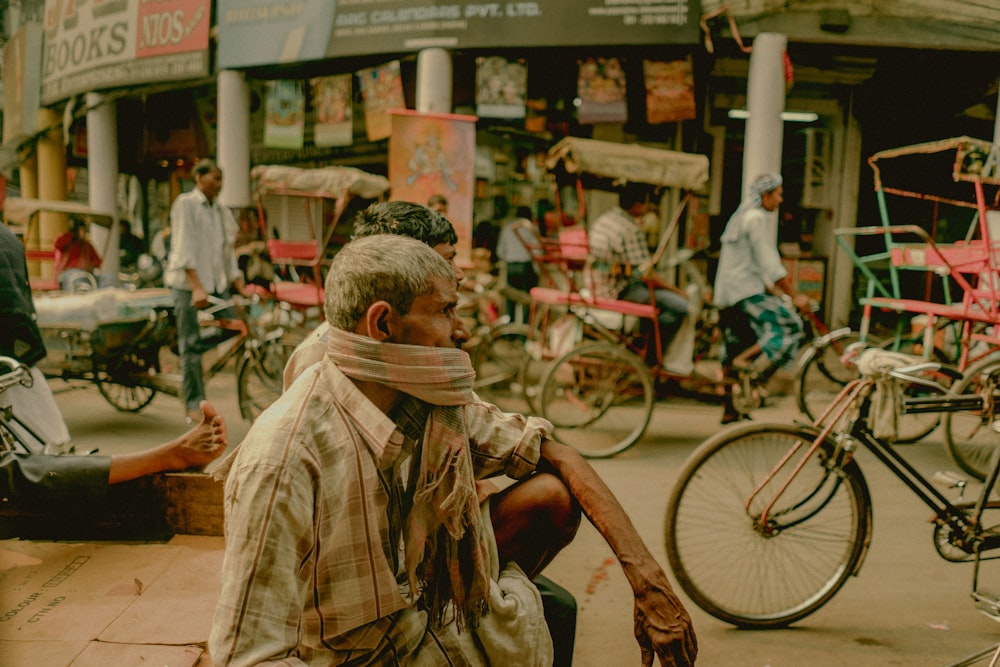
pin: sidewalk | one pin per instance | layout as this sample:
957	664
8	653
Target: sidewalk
907	607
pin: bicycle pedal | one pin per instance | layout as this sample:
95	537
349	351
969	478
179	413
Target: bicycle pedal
948	479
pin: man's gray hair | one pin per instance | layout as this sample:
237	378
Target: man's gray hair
383	267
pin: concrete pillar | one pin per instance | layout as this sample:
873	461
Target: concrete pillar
762	142
234	139
102	173
840	271
996	122
51	154
434	81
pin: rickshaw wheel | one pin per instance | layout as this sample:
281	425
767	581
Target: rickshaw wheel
126	387
599	398
498	359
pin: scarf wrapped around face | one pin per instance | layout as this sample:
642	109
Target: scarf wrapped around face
446	554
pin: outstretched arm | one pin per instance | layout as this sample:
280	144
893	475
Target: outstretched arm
662	625
195	449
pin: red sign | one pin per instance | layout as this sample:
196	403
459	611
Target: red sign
173	26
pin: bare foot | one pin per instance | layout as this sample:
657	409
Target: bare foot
204	443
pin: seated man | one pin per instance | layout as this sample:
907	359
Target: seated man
354	531
392	217
622	264
77	259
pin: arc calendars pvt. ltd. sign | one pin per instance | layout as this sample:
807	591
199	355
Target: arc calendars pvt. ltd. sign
266	32
112	43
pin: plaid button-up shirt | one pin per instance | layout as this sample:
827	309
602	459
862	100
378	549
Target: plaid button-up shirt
314	506
617	247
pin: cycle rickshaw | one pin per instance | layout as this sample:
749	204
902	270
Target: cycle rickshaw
583	362
114	337
953	251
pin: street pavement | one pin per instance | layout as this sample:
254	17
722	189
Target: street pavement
906	607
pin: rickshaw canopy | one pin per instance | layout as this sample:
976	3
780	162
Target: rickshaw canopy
628	163
900	171
328	182
19	212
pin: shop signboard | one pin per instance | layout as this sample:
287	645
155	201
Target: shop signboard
266	32
97	45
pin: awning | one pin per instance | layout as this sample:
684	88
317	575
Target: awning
629	163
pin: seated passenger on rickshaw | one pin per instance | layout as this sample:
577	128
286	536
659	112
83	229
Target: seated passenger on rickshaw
621	263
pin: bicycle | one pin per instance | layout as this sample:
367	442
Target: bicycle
12	373
123	358
768	521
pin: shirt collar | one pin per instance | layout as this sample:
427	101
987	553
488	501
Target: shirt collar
381	435
202	198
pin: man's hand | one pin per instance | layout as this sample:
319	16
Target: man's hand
199	297
663	629
802	302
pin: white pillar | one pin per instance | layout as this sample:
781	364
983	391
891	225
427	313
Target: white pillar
840	271
102	178
765	101
234	139
434	81
996	123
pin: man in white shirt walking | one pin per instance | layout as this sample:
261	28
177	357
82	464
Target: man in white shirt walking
202	264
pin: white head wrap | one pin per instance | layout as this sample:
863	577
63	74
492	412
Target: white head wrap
765	183
760	185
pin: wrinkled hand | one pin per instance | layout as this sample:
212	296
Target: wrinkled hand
663	628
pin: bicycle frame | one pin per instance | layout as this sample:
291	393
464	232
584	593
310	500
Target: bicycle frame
967	530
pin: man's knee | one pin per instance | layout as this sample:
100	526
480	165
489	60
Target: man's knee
556	500
541	504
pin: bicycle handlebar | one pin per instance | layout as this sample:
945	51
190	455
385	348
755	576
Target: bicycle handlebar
18	374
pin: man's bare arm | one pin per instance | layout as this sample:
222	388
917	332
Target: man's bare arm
662	625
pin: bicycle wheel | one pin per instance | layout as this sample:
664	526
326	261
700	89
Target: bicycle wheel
969	436
497	360
915	427
259	378
599	398
125	383
765	573
821	375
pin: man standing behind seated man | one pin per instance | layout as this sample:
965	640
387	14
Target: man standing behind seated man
622	264
354	533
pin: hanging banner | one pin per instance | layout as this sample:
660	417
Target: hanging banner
434	154
286	114
601	89
332	100
501	87
381	91
669	91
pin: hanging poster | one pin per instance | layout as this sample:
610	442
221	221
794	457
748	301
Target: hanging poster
332	99
381	91
286	114
601	89
669	91
434	154
501	87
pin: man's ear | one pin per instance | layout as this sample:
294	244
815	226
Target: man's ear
379	321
